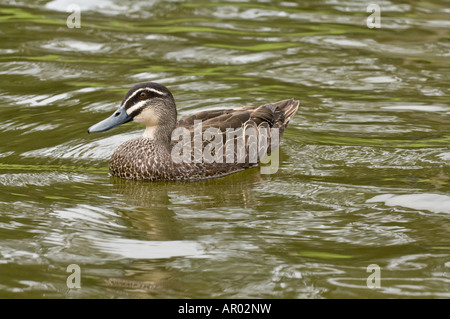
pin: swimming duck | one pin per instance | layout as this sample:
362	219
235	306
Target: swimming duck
156	155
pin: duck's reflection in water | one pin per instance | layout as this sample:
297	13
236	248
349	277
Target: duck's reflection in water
164	214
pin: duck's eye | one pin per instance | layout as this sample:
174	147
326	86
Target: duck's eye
143	95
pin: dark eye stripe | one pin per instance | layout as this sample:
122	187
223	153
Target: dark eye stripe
132	96
135	103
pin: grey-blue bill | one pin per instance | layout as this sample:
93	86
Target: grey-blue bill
118	117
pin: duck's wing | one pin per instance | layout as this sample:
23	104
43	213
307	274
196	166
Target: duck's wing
268	116
274	115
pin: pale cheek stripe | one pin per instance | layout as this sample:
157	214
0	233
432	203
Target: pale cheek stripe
135	107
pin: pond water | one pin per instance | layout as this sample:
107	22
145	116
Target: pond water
364	165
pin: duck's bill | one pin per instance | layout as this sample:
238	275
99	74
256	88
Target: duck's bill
119	117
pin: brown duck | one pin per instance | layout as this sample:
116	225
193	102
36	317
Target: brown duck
169	150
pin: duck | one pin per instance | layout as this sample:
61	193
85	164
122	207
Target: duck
202	145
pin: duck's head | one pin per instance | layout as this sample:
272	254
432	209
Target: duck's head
150	104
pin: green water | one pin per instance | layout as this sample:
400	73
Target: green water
364	171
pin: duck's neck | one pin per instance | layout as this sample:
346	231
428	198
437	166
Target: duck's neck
158	134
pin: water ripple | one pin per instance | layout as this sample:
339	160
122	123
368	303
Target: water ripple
431	202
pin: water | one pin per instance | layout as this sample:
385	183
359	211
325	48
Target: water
364	173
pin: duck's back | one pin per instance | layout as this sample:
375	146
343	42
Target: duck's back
276	115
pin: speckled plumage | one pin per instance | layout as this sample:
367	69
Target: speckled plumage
150	158
142	159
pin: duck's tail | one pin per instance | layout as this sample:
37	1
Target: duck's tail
290	107
282	112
